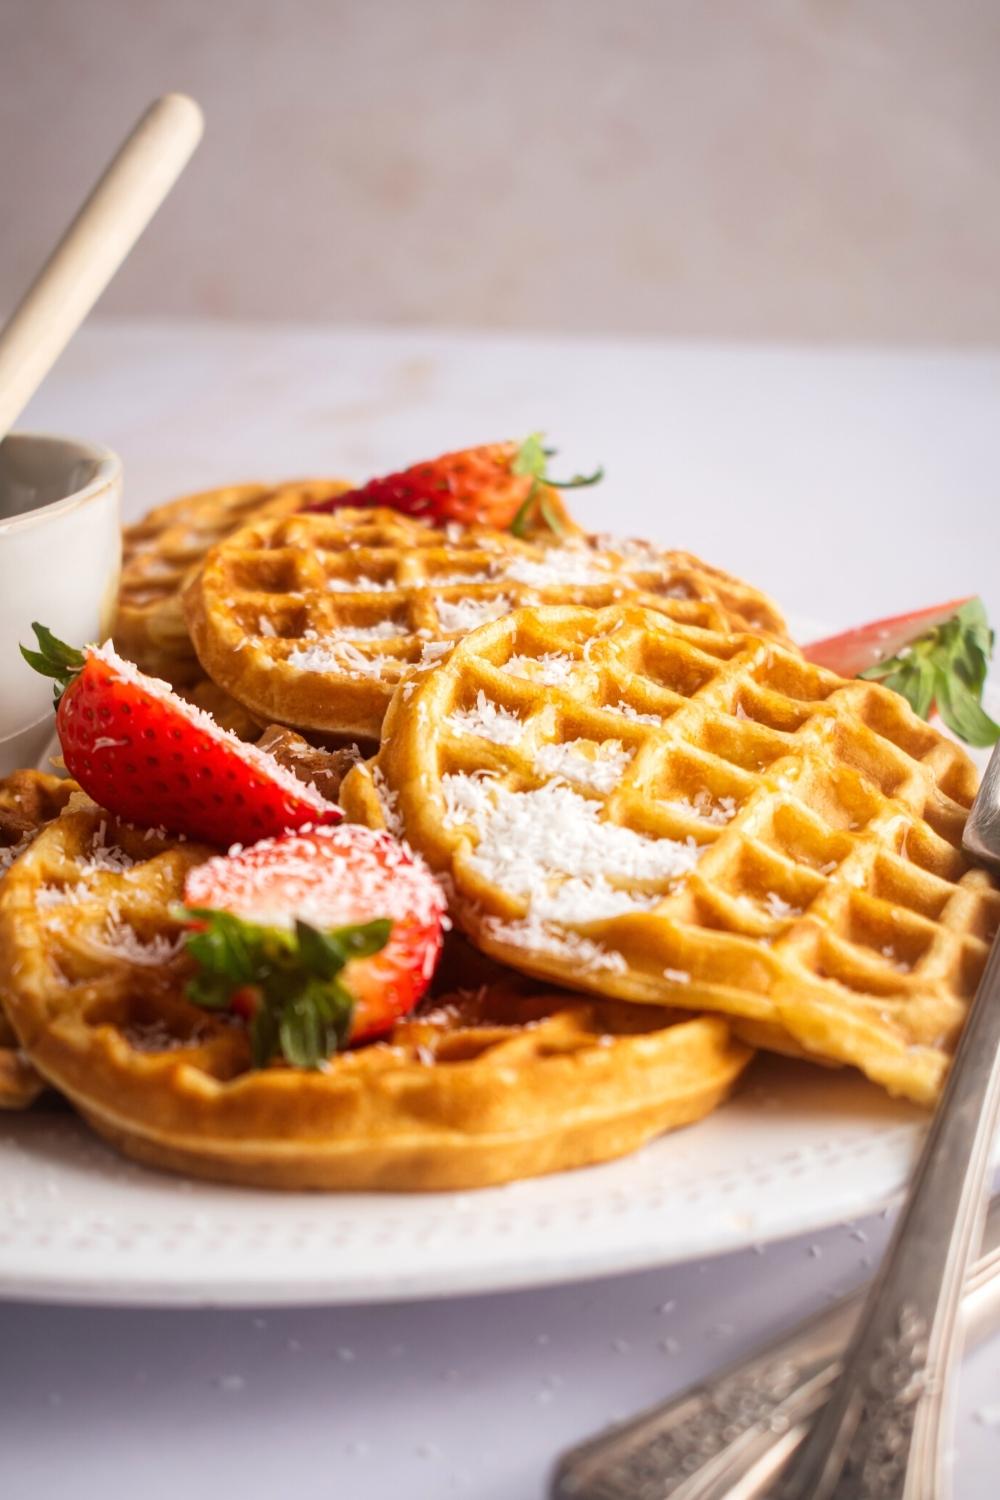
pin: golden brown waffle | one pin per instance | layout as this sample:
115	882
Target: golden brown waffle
160	551
313	620
682	816
28	800
480	1088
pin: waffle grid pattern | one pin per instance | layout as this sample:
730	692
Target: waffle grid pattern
160	551
506	1081
826	902
313	620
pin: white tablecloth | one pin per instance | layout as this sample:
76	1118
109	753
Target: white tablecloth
848	483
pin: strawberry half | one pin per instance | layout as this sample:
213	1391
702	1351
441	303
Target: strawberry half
317	938
936	658
153	759
500	485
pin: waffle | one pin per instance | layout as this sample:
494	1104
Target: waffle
313	620
481	1087
28	799
679	816
160	551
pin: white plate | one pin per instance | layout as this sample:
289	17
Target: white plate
799	1147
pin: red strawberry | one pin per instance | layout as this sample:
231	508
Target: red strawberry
863	646
153	759
936	658
320	937
499	485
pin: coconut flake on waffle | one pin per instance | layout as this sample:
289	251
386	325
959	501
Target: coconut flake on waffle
557	566
123	941
551	668
382	630
491	721
601	772
628	546
778	908
434	650
460	615
105	856
164	693
551	847
360	585
388	802
717	812
542	937
328	654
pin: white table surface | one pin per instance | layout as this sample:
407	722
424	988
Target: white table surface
848	483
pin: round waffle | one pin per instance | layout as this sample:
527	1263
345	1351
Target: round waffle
28	800
668	814
160	551
479	1088
313	620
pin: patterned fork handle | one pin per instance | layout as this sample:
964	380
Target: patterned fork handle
732	1435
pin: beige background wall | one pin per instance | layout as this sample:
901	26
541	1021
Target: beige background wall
760	168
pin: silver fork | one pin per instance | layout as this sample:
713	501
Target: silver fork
732	1433
879	1436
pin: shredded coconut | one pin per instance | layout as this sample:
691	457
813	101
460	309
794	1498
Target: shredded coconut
434	650
383	630
360	585
104	856
776	906
388	801
126	943
558	565
551	668
706	809
458	615
628	712
264	627
550	846
600	772
677	976
491	721
539	935
332	655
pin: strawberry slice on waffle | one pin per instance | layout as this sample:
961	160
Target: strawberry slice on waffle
151	758
319	938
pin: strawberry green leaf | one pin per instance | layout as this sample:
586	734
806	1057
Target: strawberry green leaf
531	458
53	659
946	666
964	715
302	1011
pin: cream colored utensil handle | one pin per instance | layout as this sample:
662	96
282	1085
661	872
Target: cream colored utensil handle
120	206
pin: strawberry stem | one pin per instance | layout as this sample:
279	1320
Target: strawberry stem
54	659
302	1010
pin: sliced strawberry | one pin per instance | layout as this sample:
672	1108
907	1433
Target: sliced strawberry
151	758
499	485
854	651
321	937
935	658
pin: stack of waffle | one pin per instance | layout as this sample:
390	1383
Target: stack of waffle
665	838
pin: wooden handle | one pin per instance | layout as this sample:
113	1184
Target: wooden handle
120	206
